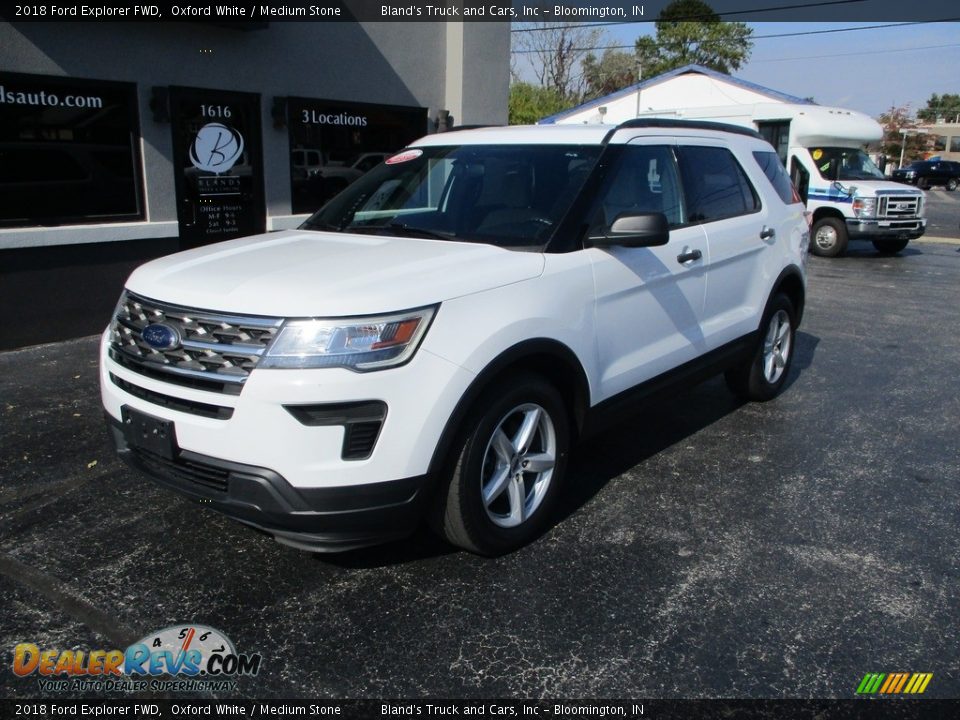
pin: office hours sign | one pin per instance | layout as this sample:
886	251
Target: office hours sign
218	159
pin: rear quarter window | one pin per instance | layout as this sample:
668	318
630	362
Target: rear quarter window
770	163
714	184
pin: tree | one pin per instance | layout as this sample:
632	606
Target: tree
529	103
944	106
613	71
913	145
554	51
689	31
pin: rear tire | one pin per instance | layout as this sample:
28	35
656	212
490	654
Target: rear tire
889	247
509	463
951	184
762	376
829	238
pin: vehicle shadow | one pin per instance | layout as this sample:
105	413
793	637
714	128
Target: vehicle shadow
868	251
654	427
657	426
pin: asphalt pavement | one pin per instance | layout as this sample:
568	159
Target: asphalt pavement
943	214
705	549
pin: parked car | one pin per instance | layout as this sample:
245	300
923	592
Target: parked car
434	340
928	173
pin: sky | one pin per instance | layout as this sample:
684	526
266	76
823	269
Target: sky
869	69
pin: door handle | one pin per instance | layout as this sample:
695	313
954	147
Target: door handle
767	233
689	256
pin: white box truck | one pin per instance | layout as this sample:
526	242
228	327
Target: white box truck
823	149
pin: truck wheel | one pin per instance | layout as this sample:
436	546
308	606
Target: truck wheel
951	184
761	376
923	183
828	237
509	465
889	247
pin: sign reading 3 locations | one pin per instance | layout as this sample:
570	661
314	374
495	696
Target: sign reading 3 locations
333	143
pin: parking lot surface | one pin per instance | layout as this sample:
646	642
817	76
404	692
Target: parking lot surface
943	214
705	548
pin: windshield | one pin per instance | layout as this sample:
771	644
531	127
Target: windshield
836	163
512	196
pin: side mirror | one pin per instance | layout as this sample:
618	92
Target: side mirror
635	230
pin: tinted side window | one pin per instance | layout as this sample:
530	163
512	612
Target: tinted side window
644	180
714	184
770	163
800	176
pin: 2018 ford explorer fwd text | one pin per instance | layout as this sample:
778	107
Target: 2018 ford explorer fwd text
431	343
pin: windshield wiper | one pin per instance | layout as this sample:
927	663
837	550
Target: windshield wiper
397	229
310	225
418	232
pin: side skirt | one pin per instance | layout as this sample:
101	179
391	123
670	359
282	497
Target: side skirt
624	404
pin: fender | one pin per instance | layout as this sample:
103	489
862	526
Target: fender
792	282
546	356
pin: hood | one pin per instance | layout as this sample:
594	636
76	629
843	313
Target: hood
870	187
823	190
299	273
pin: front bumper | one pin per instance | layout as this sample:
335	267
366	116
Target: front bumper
903	229
263	457
315	519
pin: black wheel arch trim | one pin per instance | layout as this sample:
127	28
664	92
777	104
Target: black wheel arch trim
512	359
791	275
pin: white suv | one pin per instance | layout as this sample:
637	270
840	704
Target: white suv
434	339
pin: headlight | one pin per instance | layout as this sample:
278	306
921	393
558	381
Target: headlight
364	343
864	207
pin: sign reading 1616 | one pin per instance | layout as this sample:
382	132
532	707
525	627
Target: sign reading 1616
216	111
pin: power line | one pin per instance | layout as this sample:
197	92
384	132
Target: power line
762	37
865	52
803	6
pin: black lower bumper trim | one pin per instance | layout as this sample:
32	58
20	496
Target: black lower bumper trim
315	519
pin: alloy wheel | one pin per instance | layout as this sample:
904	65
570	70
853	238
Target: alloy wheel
776	346
518	465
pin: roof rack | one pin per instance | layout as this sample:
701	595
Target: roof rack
691	124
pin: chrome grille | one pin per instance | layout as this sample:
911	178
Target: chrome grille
898	206
216	351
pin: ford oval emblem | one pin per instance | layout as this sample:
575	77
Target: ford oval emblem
160	336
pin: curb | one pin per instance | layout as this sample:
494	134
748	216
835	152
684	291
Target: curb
944	240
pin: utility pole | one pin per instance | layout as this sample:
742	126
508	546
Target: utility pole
639	77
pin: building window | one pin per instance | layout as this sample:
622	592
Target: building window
69	151
939	143
955	144
333	143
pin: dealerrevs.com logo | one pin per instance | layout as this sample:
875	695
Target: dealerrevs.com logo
179	658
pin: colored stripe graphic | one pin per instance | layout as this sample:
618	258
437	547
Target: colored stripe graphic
891	681
894	683
870	683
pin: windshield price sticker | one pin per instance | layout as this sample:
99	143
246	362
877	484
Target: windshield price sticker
405	156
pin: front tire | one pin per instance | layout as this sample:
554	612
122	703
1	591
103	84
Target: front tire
889	247
510	461
762	376
828	238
